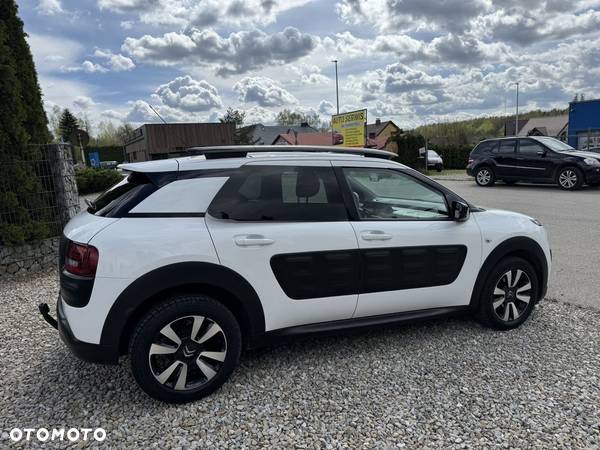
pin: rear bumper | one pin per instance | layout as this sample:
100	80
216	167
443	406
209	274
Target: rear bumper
86	351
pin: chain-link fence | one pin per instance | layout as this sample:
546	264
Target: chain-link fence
38	196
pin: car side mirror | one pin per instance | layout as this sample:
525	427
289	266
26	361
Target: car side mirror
542	153
460	211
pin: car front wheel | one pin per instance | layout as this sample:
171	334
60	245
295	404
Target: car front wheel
185	348
484	176
570	178
509	294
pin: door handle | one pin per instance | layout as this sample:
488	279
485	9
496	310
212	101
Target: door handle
375	235
248	240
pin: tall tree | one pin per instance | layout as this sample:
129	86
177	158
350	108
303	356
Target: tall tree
22	122
233	116
34	120
67	125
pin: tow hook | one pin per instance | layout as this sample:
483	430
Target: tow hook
45	310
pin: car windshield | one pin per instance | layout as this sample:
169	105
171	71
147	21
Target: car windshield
555	144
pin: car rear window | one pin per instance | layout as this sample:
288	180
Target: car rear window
123	196
484	147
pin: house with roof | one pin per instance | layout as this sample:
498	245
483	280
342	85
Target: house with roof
554	126
319	138
380	132
260	134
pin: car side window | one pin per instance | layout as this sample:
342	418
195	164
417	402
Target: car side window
506	146
485	147
280	193
529	147
385	194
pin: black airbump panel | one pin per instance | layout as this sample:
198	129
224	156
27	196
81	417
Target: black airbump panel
344	272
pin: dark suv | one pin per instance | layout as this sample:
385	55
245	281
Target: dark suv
538	159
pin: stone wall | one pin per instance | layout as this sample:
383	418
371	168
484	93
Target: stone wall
28	258
43	254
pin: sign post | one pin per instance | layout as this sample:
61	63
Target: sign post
352	126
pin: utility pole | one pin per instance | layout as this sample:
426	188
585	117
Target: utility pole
517	112
337	93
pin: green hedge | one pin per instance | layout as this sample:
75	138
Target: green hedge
96	180
408	149
455	157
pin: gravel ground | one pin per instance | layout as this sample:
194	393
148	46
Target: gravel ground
445	383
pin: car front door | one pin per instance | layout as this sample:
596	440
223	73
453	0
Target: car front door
534	161
284	227
506	158
413	256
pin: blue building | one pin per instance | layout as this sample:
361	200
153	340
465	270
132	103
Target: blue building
584	124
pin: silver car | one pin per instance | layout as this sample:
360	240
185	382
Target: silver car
434	161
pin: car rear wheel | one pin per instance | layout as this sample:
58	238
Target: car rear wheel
439	167
484	176
570	178
185	348
509	294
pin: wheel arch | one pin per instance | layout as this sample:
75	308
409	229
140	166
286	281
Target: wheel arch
522	247
222	283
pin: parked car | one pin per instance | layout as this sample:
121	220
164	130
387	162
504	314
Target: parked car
434	161
538	159
108	164
189	260
593	150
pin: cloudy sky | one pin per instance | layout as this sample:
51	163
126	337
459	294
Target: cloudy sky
414	61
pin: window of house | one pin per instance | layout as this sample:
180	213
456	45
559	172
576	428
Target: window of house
280	193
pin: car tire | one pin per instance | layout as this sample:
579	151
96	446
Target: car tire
484	176
569	178
509	294
185	348
439	167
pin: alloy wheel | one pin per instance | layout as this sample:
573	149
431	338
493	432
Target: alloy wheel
512	295
187	352
484	176
567	179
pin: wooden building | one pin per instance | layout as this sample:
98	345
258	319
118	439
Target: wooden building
160	141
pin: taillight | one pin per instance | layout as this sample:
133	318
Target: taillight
81	259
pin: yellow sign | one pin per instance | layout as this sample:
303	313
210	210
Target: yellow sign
349	129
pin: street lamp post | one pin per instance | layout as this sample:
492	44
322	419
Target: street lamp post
337	93
517	112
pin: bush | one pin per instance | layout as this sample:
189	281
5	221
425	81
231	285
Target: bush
408	149
454	156
96	180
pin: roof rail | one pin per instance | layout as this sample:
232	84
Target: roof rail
241	151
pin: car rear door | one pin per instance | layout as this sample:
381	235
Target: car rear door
413	256
283	226
506	158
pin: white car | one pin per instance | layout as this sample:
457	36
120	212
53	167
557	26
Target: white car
188	261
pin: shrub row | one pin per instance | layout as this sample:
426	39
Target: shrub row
455	157
96	180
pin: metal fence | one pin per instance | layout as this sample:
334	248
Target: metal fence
38	196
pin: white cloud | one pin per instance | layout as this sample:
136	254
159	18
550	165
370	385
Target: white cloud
127	24
309	74
205	13
189	95
49	7
83	102
258	114
51	53
116	62
238	53
264	91
326	107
